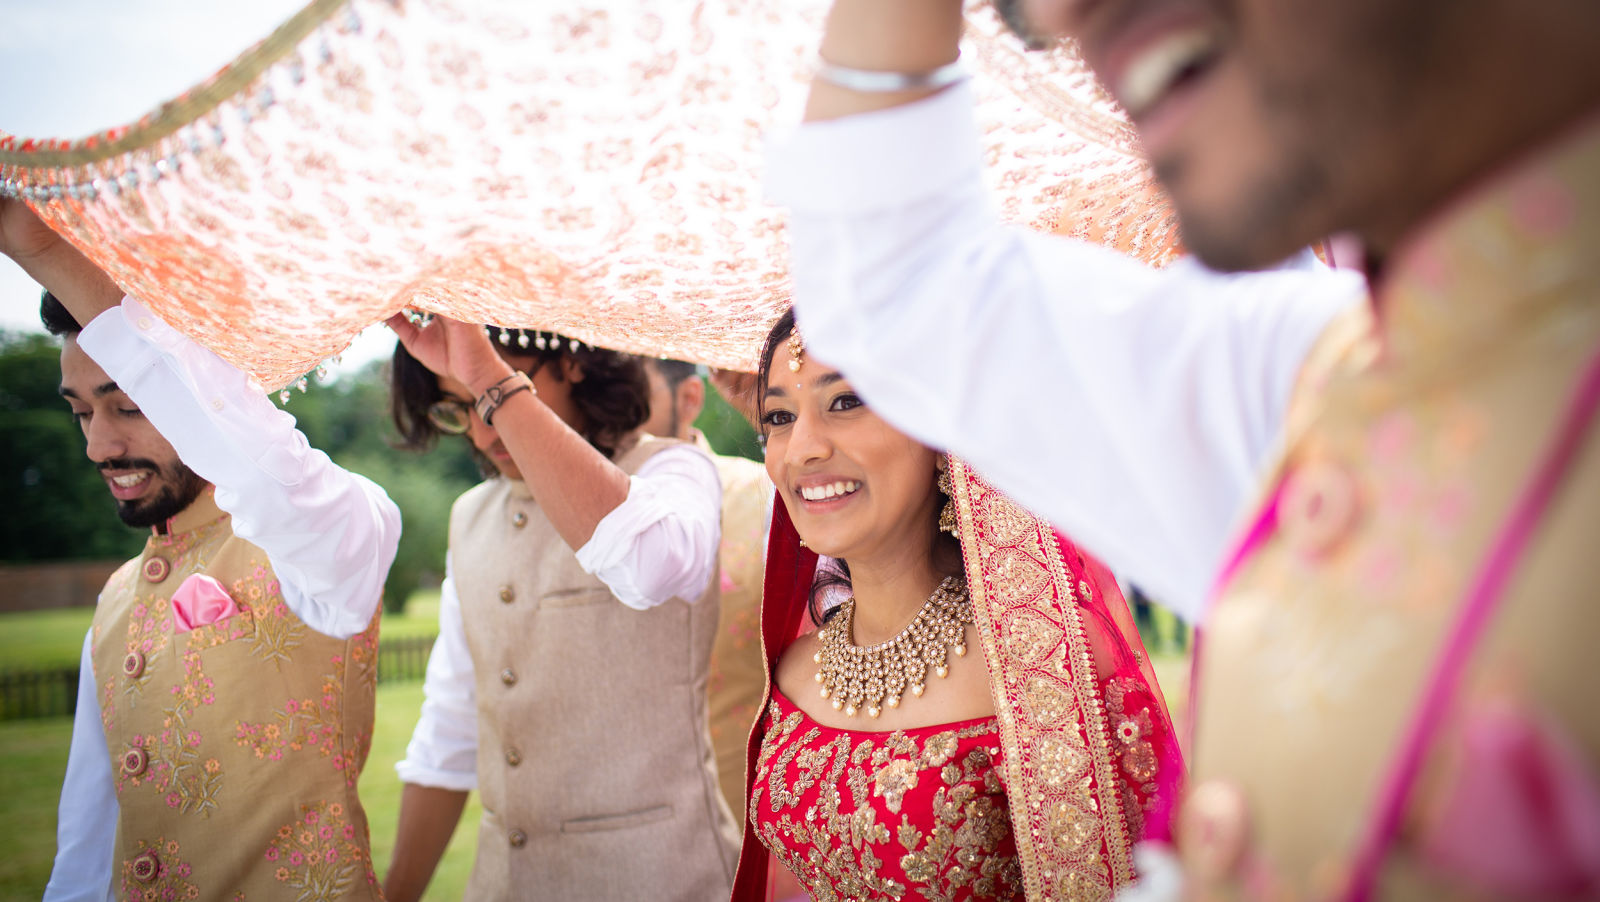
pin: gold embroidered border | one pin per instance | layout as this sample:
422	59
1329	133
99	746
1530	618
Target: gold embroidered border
1066	808
190	107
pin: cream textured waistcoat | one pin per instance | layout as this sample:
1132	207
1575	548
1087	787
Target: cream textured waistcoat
594	761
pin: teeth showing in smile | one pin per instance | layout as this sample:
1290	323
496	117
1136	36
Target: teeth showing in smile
130	480
1151	74
831	490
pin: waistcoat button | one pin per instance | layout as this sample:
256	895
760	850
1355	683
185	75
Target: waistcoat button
1213	829
508	676
513	757
518	839
1318	507
156	569
134	761
519	519
145	867
133	665
507	594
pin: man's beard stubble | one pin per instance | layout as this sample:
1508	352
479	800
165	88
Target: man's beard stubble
178	487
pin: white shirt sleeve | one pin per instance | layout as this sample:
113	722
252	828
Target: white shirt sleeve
329	533
86	824
443	751
661	542
1133	407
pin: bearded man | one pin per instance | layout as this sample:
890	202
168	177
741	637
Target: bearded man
225	694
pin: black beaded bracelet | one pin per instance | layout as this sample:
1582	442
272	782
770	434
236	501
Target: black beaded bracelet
496	395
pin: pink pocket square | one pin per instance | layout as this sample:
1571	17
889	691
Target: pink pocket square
201	601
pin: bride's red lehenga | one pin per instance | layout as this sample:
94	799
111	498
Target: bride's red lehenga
1043	801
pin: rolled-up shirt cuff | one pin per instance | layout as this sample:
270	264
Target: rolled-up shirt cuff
877	160
421	775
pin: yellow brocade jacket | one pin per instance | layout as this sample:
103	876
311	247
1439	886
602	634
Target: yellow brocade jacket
235	746
736	677
1414	432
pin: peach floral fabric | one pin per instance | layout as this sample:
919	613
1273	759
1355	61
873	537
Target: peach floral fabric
588	167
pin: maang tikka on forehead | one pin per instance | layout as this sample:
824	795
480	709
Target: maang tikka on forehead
797	349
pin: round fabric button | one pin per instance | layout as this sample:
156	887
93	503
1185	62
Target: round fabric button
156	569
518	839
1214	826
133	665
134	761
145	866
508	676
513	757
508	594
519	519
1318	507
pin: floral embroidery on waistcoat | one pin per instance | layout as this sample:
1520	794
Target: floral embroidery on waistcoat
317	721
278	632
155	873
170	758
321	855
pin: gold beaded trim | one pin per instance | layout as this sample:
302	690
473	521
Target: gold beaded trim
857	678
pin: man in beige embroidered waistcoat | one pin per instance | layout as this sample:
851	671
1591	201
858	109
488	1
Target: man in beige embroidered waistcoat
568	683
1395	687
226	691
736	680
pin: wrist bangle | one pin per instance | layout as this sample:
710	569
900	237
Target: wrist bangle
496	395
872	81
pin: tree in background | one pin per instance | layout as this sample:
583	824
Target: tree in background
56	505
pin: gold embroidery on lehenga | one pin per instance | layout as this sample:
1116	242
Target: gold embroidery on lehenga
838	852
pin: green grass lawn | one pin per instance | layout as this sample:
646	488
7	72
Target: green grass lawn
33	754
33	757
43	639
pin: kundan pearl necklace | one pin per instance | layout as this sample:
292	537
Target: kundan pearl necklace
857	678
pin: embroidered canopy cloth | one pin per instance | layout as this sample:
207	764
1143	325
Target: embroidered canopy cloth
592	168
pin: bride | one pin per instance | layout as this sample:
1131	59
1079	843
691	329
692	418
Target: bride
973	717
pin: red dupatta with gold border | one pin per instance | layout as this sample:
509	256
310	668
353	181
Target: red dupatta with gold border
1092	764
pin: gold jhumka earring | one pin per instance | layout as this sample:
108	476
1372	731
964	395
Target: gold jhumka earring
949	521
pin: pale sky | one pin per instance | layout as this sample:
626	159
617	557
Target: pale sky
70	68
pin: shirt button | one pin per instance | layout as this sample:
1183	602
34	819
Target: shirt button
1318	507
513	757
1213	827
519	519
507	594
508	676
133	665
517	838
145	866
146	323
216	404
134	761
156	569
